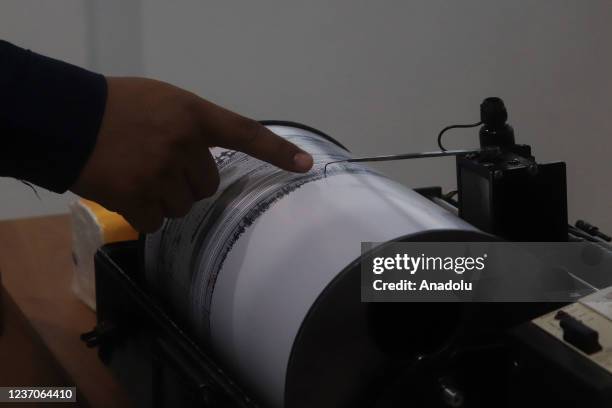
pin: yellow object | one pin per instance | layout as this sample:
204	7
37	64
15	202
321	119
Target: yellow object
92	227
114	227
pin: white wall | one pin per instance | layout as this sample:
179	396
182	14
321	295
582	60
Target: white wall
381	77
385	76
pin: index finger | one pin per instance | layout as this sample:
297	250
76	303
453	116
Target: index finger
232	131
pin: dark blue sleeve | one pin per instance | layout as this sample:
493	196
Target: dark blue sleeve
50	114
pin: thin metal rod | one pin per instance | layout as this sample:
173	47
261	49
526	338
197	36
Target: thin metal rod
585	283
421	155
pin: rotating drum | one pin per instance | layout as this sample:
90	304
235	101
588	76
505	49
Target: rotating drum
266	272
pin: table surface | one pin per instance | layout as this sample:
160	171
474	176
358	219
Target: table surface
36	272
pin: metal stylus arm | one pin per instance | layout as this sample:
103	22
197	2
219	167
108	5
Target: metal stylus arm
421	155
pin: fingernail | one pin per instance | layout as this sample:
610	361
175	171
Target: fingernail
302	162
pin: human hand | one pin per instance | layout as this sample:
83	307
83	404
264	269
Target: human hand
152	158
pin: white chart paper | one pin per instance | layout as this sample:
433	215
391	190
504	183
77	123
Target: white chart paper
243	268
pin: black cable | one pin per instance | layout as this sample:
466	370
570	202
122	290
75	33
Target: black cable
32	187
454	127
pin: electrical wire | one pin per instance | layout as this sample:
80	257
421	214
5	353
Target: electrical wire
454	127
443	151
31	187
